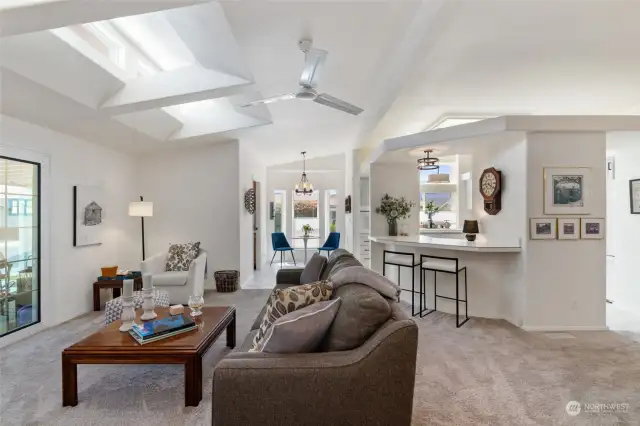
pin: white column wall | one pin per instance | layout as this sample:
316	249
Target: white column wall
565	280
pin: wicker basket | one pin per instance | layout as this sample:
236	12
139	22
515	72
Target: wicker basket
226	281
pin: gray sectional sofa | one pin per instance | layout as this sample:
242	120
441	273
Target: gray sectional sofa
371	384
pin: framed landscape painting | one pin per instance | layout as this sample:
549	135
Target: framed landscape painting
543	228
567	190
592	229
568	228
634	194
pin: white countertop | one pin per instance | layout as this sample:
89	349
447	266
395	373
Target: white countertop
482	244
440	231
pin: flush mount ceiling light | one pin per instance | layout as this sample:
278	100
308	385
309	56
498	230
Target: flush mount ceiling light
304	187
428	162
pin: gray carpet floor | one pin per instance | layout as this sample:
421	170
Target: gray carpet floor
486	373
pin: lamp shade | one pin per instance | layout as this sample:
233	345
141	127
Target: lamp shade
9	234
470	227
141	208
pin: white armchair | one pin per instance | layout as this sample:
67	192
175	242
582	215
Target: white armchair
179	284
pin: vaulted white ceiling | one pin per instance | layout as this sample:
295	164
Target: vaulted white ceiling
407	63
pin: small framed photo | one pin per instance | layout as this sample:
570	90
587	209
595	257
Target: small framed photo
566	190
634	195
568	228
592	229
543	228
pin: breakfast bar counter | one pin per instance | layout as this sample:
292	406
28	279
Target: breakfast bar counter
481	245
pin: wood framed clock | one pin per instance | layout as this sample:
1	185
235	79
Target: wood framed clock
491	190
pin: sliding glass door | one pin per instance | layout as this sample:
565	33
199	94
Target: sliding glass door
19	244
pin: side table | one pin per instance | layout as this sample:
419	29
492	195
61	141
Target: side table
115	285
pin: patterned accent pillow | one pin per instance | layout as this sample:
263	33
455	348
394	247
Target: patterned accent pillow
181	255
291	299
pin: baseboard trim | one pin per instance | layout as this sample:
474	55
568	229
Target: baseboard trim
547	328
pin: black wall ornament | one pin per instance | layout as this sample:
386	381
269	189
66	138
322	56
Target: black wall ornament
250	201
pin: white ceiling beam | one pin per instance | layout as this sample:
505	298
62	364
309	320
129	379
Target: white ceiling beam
26	16
156	123
184	85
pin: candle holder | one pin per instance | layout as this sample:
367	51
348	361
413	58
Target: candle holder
147	299
128	313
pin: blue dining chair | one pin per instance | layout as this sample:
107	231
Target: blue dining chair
280	244
332	243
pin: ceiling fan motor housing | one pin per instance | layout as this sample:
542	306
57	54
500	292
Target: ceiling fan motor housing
307	94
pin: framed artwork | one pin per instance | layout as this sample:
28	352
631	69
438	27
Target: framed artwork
634	195
542	228
88	215
592	229
567	190
568	228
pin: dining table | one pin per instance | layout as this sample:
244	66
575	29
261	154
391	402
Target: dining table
305	240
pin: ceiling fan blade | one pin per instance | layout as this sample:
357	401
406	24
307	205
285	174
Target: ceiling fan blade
313	64
271	100
336	103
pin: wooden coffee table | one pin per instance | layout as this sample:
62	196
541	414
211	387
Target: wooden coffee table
115	286
111	346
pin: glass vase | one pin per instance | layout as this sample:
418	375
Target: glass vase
393	228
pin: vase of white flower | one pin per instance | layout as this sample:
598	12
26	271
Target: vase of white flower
394	209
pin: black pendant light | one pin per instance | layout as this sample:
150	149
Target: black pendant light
428	162
304	187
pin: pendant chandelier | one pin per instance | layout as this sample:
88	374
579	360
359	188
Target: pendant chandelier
304	187
428	162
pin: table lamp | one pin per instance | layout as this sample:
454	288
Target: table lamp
470	228
141	209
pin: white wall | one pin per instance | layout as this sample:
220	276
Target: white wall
251	169
623	228
565	280
196	195
67	279
398	180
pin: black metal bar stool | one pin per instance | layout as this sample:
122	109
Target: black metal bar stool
447	265
404	260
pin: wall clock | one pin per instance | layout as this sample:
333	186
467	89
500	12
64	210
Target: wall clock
491	190
250	201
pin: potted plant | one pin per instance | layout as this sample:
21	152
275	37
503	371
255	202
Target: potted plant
392	209
333	227
307	229
430	209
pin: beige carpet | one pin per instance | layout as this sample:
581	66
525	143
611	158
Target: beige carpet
486	373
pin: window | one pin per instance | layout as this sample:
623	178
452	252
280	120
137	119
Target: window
277	213
331	211
305	212
443	199
19	248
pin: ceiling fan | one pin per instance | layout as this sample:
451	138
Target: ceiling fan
314	62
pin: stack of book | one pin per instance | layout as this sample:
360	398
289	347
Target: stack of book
151	331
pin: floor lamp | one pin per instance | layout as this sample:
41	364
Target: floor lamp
141	209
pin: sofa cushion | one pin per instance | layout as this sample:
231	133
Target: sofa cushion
362	312
338	260
180	256
291	299
313	269
258	320
171	278
300	331
248	342
368	277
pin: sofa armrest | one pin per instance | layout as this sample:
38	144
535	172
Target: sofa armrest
372	384
289	276
154	264
195	280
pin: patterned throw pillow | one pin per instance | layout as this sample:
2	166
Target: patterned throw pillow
181	255
291	299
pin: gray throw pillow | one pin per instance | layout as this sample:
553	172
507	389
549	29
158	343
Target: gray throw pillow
362	312
368	277
299	331
313	269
